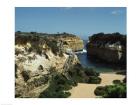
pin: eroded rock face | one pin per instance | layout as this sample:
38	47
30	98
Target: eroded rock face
70	42
109	48
35	64
104	54
76	44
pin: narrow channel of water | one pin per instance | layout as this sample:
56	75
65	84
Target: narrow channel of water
99	67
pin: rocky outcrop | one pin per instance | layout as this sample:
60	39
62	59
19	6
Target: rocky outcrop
108	48
107	55
36	60
69	41
76	44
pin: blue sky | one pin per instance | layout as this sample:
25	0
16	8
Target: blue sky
82	21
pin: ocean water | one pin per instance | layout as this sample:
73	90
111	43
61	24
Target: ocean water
99	67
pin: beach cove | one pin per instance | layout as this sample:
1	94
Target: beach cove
84	90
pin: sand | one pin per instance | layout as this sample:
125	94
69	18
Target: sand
84	90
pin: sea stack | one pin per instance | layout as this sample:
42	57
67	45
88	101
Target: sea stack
108	48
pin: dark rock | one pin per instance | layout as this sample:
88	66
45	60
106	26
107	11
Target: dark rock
108	48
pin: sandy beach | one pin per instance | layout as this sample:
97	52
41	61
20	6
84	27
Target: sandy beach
84	90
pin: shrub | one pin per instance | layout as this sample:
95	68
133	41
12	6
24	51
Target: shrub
58	85
53	94
99	91
90	72
84	75
116	81
62	81
112	91
74	83
53	45
77	74
38	81
94	80
115	91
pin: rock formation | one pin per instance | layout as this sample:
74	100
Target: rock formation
37	58
109	48
69	41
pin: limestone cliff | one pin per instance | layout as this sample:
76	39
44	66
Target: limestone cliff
109	48
74	43
38	58
69	41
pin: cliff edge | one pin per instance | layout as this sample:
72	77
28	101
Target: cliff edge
38	58
108	48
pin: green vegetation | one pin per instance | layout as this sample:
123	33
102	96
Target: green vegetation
112	91
77	74
100	91
38	81
53	45
94	80
53	94
37	40
60	84
90	72
115	91
118	90
58	87
111	43
116	81
84	75
110	37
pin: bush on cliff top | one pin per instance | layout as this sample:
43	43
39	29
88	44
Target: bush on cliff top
110	37
35	40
